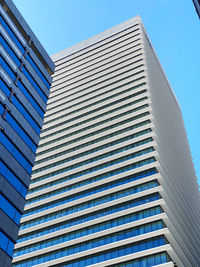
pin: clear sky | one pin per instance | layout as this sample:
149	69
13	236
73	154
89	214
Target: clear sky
172	25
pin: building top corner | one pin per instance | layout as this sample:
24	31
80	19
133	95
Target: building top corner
96	38
9	7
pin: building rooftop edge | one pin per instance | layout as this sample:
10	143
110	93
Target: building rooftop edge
28	30
95	38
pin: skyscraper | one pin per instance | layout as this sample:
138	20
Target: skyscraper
25	79
114	183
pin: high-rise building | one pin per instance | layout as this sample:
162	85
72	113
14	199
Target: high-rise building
25	79
114	183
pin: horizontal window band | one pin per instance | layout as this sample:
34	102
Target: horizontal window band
109	254
104	137
96	242
79	78
11	34
93	202
89	181
99	101
60	162
98	109
94	228
155	259
10	210
92	50
6	244
34	84
13	179
38	71
92	215
86	144
79	195
101	108
56	103
105	175
22	110
93	159
15	152
92	169
19	130
93	125
9	50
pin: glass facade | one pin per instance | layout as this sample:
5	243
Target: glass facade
106	255
22	107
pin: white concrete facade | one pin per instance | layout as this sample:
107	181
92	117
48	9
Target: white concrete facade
111	115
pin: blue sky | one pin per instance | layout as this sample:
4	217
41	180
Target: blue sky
172	25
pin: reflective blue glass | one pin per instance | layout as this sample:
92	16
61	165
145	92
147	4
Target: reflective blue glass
34	84
21	109
6	244
9	50
15	152
148	261
12	35
37	70
10	210
1	109
89	204
96	258
6	67
26	115
98	227
101	213
95	178
136	231
20	132
118	182
12	179
30	98
4	88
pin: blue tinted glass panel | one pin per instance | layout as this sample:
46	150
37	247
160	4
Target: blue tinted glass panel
35	67
8	70
12	179
146	261
95	202
130	233
34	84
9	209
106	255
101	213
127	179
15	152
4	88
21	132
9	50
1	109
12	35
30	98
26	115
6	244
21	109
98	227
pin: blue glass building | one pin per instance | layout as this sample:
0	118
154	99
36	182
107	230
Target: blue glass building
25	79
113	182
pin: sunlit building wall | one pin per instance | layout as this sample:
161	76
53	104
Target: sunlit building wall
114	183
